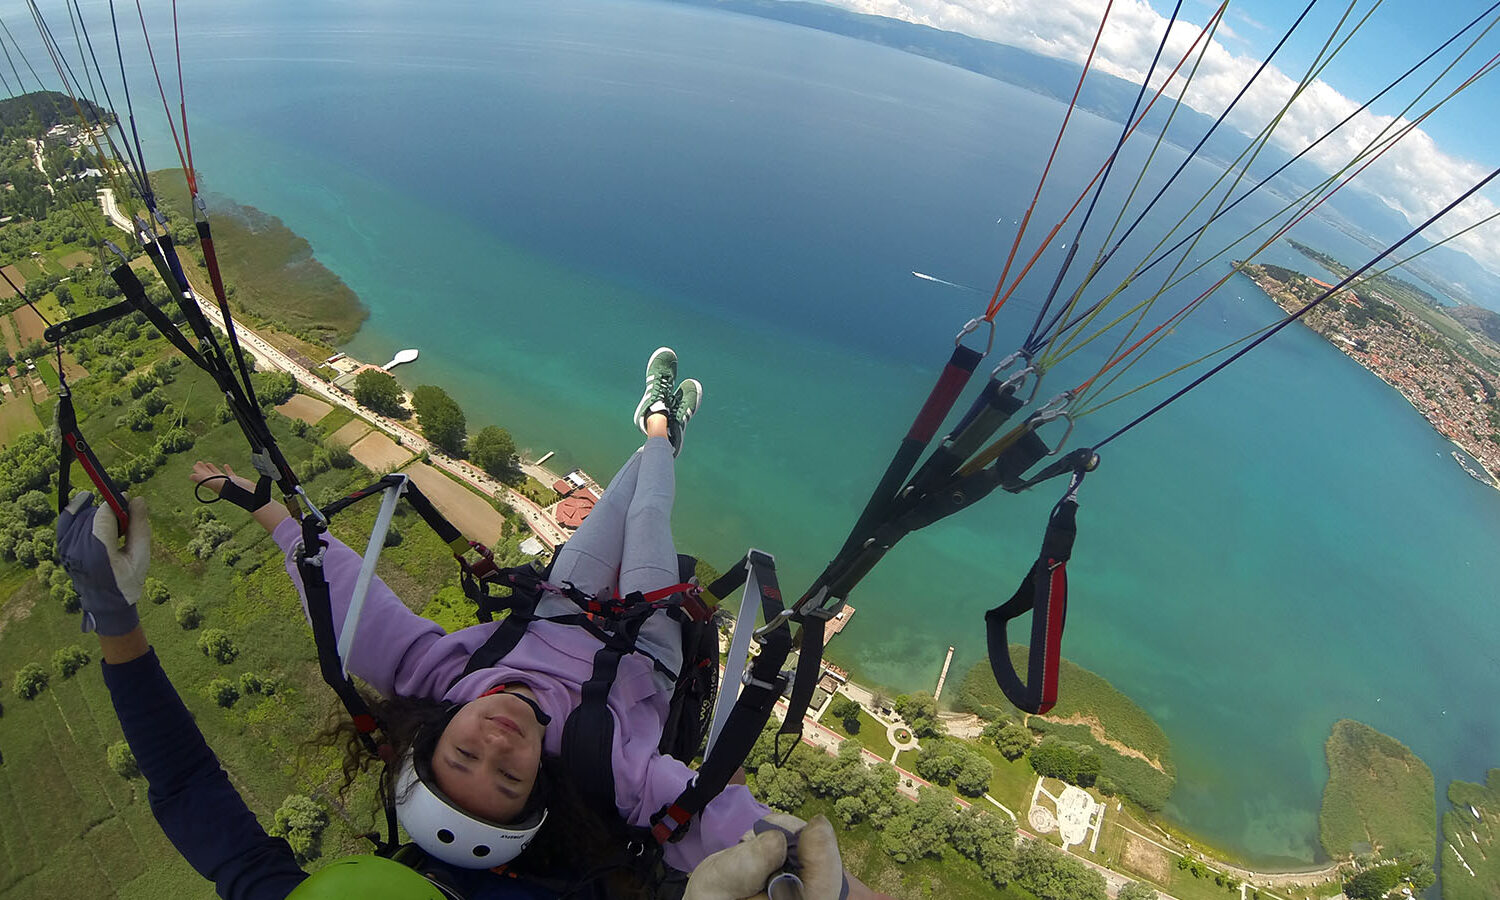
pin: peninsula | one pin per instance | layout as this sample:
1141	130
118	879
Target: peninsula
1446	369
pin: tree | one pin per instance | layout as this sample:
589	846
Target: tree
63	295
781	788
1054	758
492	450
153	401
921	829
846	710
223	692
939	763
1089	768
301	821
217	645
920	712
36	507
973	776
1051	875
273	388
850	810
1013	741
988	840
209	535
1372	884
1137	890
379	391
188	616
121	760
67	595
31	679
69	660
156	591
440	417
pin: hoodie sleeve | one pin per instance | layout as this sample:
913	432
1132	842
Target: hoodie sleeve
397	651
647	780
720	825
190	794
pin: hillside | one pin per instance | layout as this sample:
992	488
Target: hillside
1477	318
1379	795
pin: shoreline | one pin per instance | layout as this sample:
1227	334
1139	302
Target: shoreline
1276	290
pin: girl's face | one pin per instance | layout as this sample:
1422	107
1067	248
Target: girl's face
487	758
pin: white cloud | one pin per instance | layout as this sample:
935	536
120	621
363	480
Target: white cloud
1415	177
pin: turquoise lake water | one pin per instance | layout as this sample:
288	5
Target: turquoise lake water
537	194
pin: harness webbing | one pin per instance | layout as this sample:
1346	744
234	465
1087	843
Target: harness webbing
762	683
1043	593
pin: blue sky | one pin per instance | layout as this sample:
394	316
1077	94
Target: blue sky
1452	150
1399	34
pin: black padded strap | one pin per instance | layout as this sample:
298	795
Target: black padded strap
249	501
1043	593
588	735
762	687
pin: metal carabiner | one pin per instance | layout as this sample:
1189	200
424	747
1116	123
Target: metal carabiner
1052	410
972	325
1015	381
311	506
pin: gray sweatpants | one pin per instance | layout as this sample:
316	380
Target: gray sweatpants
625	545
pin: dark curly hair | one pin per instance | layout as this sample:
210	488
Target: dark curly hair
574	830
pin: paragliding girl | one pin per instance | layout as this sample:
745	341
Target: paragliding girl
477	775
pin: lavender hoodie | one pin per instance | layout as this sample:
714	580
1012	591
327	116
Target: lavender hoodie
401	653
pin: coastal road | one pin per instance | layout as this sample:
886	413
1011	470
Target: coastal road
268	357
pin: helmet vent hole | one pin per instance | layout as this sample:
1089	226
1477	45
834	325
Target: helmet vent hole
445	835
482	851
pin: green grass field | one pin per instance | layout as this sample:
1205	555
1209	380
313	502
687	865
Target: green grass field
44	368
17	416
1012	782
1378	794
1471	865
336	418
871	734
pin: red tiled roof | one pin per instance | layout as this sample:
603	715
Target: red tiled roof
572	511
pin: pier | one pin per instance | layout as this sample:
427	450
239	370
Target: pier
943	677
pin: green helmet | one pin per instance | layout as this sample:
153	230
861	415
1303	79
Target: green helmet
367	878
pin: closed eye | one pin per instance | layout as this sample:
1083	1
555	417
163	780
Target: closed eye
466	754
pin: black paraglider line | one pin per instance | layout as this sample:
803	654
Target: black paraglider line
1027	346
1300	312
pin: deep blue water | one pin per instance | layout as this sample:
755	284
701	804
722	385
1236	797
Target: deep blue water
537	194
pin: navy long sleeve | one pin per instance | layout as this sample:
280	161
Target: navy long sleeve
190	794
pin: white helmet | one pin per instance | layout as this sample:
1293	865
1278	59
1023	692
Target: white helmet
450	834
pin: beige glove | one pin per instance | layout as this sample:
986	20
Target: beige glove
746	870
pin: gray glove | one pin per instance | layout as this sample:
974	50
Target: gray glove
752	869
109	580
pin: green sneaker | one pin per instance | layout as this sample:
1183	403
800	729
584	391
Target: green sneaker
661	374
685	403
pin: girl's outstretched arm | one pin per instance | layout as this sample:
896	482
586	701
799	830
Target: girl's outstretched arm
394	649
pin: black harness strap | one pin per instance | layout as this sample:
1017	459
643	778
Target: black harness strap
1043	593
763	684
588	735
135	295
57	332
